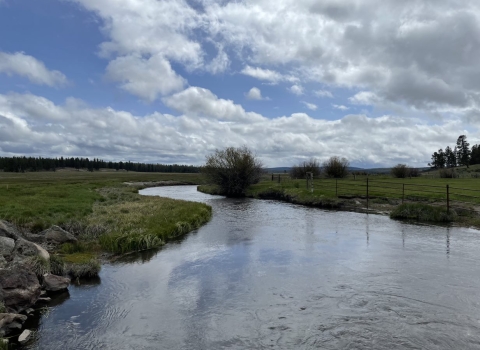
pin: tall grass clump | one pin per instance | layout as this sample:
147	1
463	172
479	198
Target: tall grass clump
81	265
57	265
38	265
3	344
2	307
423	212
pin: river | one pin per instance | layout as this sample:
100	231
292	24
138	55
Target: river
270	275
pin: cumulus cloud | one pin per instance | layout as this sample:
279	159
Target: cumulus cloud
255	94
340	107
145	78
34	125
29	67
426	55
296	89
310	106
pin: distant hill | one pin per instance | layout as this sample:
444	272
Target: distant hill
368	171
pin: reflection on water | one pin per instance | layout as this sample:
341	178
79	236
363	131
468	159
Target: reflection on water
264	274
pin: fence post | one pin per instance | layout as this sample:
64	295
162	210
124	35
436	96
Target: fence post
336	187
272	177
448	199
403	193
367	194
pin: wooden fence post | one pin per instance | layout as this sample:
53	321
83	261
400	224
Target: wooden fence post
272	177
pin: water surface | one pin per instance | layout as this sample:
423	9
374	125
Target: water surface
269	275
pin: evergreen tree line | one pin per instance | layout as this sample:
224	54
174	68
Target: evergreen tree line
22	164
461	154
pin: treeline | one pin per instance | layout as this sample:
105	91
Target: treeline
461	154
23	164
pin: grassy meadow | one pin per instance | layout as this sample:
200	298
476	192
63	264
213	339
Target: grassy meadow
97	207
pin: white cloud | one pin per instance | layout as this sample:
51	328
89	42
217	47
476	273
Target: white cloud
340	107
425	55
145	78
323	93
310	106
33	125
255	94
267	75
19	63
296	89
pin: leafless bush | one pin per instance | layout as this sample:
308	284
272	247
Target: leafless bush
299	171
336	167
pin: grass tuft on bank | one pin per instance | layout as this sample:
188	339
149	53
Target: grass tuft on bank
423	212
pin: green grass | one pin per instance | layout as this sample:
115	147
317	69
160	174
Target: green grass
38	200
78	265
99	209
423	212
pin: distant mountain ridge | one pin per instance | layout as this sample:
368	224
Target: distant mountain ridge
277	170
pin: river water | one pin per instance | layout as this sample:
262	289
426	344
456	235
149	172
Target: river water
269	275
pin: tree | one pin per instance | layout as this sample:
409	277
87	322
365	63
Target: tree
299	171
450	158
475	155
336	167
233	170
463	151
438	159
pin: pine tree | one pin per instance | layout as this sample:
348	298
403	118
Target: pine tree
450	158
463	151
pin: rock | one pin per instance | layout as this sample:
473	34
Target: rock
3	262
58	235
29	311
25	336
6	246
19	288
9	230
53	283
9	322
24	248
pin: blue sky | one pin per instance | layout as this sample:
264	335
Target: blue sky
377	82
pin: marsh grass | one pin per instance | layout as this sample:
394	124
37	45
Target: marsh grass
99	210
36	201
423	212
146	222
80	265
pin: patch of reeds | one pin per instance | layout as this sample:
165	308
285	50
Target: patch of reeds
423	212
80	265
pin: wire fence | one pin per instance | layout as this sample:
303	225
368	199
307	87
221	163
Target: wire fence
463	200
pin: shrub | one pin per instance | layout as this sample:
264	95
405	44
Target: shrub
336	167
447	174
400	171
233	170
299	171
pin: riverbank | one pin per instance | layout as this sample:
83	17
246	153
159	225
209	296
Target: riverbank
429	208
91	216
